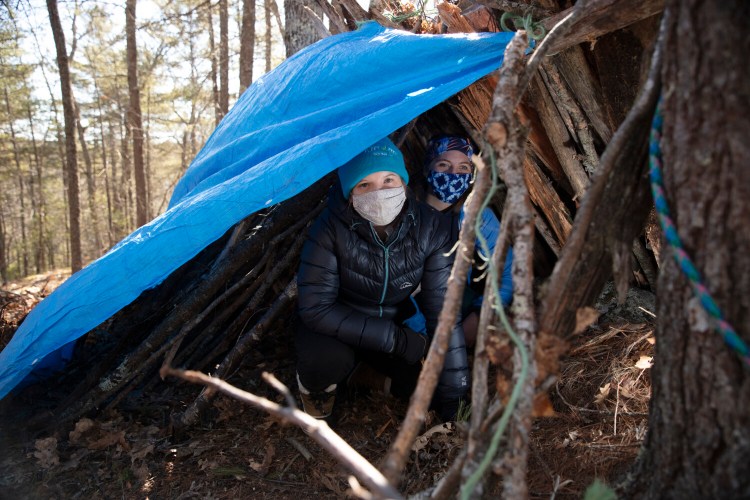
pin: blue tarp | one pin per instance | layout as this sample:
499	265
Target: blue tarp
291	127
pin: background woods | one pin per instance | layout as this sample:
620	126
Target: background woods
147	85
149	82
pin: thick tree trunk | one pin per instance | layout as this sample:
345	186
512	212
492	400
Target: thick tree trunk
299	32
74	206
247	44
135	122
698	445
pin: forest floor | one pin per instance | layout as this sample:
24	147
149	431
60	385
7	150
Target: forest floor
599	422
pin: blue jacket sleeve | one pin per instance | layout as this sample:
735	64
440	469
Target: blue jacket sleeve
490	229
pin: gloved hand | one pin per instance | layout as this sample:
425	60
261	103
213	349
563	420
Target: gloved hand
410	345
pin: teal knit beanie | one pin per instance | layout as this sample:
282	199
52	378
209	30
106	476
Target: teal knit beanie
383	155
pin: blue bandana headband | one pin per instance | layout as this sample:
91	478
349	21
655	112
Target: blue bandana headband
440	145
448	187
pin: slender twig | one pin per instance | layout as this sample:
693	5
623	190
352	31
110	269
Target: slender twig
396	459
316	429
283	390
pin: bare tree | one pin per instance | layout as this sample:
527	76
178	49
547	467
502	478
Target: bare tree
247	44
74	207
24	257
39	204
134	117
267	34
90	183
224	57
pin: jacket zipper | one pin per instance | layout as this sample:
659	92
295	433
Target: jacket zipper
386	255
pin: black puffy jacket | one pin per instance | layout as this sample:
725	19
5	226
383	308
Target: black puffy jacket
351	284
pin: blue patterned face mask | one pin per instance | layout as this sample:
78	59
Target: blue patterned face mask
448	187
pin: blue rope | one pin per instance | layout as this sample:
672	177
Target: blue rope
673	238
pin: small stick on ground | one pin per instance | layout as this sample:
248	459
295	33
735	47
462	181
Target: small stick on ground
316	429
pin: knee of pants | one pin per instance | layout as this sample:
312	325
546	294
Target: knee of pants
322	360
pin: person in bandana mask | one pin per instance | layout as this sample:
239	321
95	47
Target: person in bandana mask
448	176
369	250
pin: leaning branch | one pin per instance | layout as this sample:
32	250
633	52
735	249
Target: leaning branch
316	429
428	377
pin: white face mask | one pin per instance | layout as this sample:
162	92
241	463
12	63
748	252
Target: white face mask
380	207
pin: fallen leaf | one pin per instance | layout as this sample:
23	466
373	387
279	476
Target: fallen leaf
262	467
108	440
82	427
603	393
46	452
645	362
424	439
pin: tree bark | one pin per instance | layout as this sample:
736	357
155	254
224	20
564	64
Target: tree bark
247	44
74	206
40	204
267	34
24	254
299	32
3	248
698	444
90	184
135	122
224	57
214	65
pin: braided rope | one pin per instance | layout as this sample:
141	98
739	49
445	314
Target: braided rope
535	30
673	238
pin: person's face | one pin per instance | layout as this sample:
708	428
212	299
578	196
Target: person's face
452	162
376	181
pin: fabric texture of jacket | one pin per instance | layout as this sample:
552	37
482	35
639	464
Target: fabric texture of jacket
351	284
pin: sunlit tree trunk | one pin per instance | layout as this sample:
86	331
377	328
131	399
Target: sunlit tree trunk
126	172
74	209
267	34
3	247
135	122
698	444
40	204
299	32
224	57
105	167
24	259
247	44
214	65
90	184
